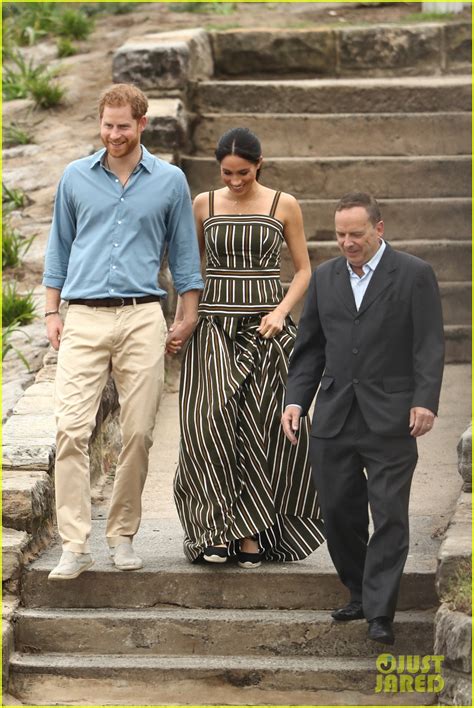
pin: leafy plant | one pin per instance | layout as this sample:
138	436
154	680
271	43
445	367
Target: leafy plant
65	48
429	17
217	8
7	346
14	134
16	308
72	24
14	198
45	92
28	22
22	79
14	245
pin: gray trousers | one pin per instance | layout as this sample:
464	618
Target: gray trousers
370	568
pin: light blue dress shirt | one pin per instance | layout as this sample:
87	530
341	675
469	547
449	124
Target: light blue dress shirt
360	284
107	240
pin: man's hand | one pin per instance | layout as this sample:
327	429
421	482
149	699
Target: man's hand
290	421
54	329
178	335
421	421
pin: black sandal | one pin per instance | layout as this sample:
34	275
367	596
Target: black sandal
249	560
215	554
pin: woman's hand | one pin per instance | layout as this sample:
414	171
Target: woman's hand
272	324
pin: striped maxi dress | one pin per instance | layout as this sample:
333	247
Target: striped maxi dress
237	474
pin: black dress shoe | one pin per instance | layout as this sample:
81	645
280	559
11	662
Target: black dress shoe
352	611
380	630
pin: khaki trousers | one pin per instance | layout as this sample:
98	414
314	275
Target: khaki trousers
128	342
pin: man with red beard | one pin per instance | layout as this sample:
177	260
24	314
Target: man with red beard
115	213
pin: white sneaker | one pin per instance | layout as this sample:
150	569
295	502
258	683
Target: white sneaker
125	558
71	566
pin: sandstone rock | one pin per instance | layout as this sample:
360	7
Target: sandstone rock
453	633
7	649
13	544
464	450
458	44
279	51
31	456
27	500
167	127
382	50
457	689
456	547
166	60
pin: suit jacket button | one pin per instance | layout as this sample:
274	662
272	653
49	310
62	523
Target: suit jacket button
355	381
355	351
356	322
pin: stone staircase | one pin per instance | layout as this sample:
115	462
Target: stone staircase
406	140
175	633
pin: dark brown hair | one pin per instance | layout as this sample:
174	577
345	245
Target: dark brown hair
362	199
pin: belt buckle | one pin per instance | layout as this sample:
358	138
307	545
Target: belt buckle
123	301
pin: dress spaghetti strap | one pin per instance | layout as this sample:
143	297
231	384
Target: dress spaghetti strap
211	203
275	203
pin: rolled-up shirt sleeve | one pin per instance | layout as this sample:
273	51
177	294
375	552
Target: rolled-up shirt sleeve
61	236
183	249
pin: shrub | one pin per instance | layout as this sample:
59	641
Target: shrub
14	245
72	24
65	48
23	79
14	198
14	134
7	346
16	308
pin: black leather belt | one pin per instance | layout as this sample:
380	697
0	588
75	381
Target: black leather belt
117	301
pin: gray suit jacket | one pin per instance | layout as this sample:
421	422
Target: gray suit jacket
389	354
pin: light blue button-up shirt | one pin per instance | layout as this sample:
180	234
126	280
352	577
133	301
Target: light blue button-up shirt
107	240
360	284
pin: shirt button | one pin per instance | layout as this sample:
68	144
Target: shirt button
119	222
116	180
115	245
122	199
112	290
355	381
114	267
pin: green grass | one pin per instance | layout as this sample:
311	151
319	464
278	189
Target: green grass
7	346
14	134
72	24
14	198
22	79
16	308
216	8
458	594
429	17
14	245
65	48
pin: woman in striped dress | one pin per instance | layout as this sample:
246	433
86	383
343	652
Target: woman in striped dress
241	488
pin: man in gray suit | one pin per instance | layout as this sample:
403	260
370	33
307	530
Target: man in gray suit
371	338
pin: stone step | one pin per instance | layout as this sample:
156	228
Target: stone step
351	134
456	299
458	343
97	679
330	177
180	631
451	260
405	219
169	580
388	95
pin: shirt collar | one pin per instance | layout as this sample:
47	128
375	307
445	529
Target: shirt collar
374	261
147	159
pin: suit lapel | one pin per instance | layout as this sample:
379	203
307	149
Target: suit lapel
343	286
381	279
